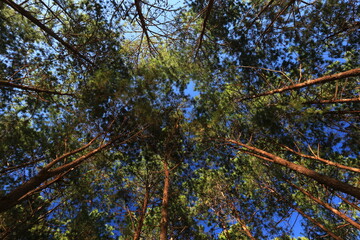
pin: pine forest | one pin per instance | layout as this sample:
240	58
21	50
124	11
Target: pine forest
170	119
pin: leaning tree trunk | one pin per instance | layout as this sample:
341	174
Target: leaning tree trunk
323	179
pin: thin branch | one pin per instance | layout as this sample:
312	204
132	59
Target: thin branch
13	168
316	223
276	17
202	33
344	100
39	181
11	85
142	22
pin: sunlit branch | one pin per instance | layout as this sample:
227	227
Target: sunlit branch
344	100
328	181
322	160
43	178
326	205
350	73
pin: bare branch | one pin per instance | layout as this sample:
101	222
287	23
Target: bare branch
142	22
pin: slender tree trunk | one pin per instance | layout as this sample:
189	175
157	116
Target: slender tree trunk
28	15
165	202
323	179
143	213
345	100
322	160
350	73
242	222
43	178
327	206
316	223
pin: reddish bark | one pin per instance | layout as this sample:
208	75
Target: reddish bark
143	213
24	190
327	206
344	100
316	223
48	176
350	73
323	160
323	179
165	202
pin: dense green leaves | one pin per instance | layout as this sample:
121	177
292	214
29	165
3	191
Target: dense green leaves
103	137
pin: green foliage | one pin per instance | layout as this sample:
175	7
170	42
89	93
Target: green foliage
134	87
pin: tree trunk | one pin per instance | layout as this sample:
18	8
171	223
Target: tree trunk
40	181
316	223
29	16
327	206
323	179
143	213
165	202
357	170
351	73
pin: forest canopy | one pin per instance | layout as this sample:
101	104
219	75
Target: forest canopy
217	119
